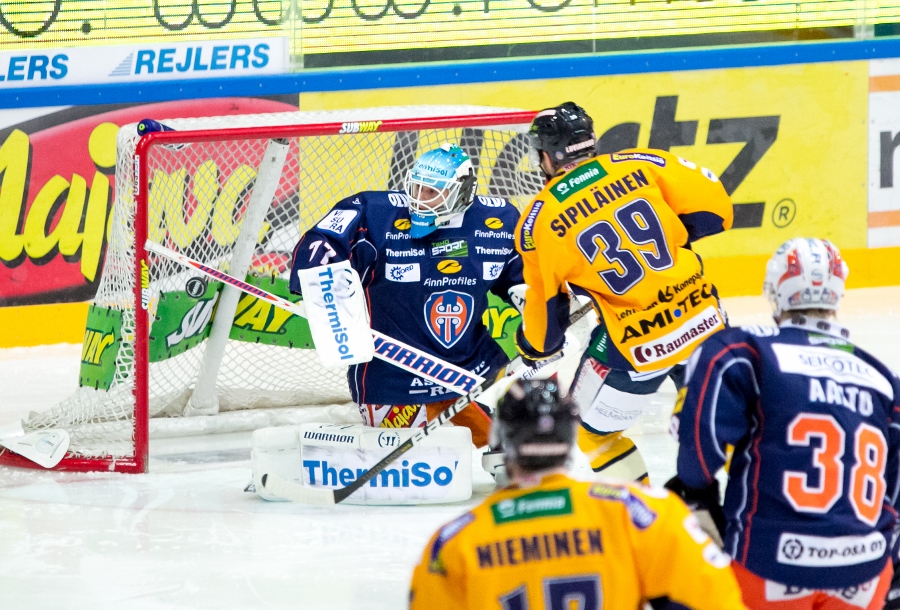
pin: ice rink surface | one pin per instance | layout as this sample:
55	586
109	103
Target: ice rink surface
186	535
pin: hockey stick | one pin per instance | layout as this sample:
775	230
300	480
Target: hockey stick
390	350
318	495
43	447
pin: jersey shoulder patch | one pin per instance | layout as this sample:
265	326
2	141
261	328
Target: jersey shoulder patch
525	238
638	156
642	516
337	221
444	535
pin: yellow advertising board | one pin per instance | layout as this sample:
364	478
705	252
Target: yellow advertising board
789	150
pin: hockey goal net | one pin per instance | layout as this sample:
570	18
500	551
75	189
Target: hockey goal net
168	353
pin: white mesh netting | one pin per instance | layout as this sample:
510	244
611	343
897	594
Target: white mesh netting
197	203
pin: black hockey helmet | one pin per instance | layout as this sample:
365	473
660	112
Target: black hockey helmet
565	132
535	424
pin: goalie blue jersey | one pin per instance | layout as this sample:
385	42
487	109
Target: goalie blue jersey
813	421
430	293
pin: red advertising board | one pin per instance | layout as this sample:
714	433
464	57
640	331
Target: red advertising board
57	186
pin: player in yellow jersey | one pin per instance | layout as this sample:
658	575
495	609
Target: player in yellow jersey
618	229
548	541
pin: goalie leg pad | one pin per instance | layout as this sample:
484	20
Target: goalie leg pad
275	451
332	456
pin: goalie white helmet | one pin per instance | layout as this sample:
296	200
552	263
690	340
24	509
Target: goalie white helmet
440	184
805	274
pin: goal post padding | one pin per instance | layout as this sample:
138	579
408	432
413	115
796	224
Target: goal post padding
216	190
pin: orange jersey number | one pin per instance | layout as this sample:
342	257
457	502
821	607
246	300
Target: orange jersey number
867	486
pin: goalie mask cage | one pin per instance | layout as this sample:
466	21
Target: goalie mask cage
170	353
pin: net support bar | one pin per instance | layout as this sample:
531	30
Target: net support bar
204	400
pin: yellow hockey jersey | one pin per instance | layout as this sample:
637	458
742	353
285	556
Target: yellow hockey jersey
618	228
611	546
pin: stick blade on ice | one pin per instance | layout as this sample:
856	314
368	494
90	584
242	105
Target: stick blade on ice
297	493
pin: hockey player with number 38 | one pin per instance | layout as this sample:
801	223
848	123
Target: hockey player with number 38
814	422
427	258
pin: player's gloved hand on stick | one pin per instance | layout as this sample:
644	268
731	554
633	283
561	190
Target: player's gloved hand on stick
533	358
704	504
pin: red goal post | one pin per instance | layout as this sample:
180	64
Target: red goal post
167	352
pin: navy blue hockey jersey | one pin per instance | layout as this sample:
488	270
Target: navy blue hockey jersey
814	425
430	292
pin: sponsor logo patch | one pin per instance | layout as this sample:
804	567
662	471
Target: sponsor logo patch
697	329
492	202
402	224
493	234
492	270
669	314
337	221
405	253
449	281
858	595
493	223
533	506
817	361
450	248
526	233
408	272
821	551
449	267
654	159
493	251
448	315
398	200
580	178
